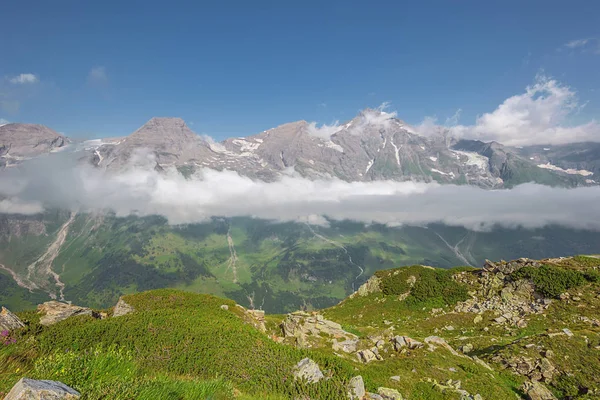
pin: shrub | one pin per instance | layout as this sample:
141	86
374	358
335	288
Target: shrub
431	287
551	281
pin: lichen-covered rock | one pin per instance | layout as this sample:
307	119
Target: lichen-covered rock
389	394
368	355
537	391
370	286
404	341
303	326
347	346
122	308
9	321
356	388
309	370
30	389
438	341
258	319
55	311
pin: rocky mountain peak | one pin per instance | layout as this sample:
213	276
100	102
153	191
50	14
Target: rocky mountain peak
28	140
165	128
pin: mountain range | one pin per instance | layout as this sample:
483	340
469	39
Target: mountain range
92	257
372	146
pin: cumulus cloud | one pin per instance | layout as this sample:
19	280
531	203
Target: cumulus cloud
3	121
377	117
324	131
98	75
24	79
57	181
540	115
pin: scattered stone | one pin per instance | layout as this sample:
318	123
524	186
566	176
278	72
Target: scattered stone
467	348
389	394
449	328
30	389
374	396
478	318
122	308
356	388
537	391
9	321
366	356
568	332
404	341
395	378
347	346
55	311
309	370
224	307
436	340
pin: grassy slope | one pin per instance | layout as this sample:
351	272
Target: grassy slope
183	345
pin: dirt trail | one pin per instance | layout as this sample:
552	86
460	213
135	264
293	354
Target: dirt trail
42	268
341	247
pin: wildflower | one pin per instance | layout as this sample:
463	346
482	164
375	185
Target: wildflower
4	333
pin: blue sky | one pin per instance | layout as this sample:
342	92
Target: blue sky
235	68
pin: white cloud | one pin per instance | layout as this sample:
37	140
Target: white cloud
24	79
3	122
586	45
540	115
324	131
98	75
55	182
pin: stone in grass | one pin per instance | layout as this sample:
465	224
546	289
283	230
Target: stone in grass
309	370
356	388
30	389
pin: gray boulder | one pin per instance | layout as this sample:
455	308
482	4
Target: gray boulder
356	388
309	370
122	308
30	389
55	311
389	394
536	391
9	321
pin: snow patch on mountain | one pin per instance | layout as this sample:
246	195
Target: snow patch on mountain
570	171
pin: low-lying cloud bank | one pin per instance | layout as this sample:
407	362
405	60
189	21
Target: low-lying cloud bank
57	182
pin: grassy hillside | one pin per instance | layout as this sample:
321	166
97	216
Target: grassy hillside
279	267
182	345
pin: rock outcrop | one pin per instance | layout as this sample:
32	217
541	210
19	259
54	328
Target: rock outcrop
370	286
511	301
55	311
308	370
9	321
122	308
30	389
258	319
404	341
302	326
537	391
389	394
